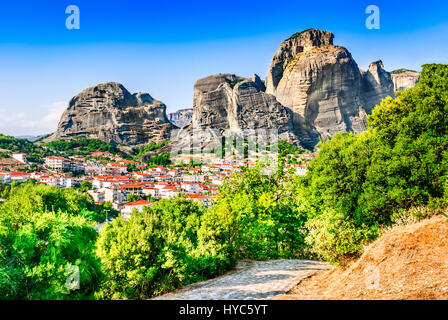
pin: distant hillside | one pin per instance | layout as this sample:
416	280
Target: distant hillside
81	146
402	70
33	138
34	153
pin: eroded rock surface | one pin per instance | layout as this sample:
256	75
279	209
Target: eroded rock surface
323	87
227	101
111	113
181	118
404	79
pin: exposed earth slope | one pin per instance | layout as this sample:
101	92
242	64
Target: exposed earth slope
408	262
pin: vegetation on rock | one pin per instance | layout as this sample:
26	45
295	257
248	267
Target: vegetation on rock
81	146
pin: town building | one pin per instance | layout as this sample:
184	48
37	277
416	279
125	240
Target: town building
20	157
137	205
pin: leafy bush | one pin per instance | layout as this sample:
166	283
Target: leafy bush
28	199
260	217
156	251
334	237
81	146
358	182
42	234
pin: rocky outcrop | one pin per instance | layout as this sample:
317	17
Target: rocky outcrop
110	113
290	48
404	79
181	118
322	86
227	101
377	85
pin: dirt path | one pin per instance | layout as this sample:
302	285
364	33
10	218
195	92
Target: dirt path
258	281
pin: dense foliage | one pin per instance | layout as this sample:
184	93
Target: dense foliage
157	250
81	146
47	244
286	148
358	182
29	199
160	160
139	152
258	216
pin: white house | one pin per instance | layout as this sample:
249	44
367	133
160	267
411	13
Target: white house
301	170
98	196
69	182
19	176
5	177
129	207
20	157
152	192
115	168
169	192
190	187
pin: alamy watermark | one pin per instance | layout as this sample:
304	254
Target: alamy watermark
373	20
373	278
72	280
73	21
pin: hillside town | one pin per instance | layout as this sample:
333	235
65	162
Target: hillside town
118	180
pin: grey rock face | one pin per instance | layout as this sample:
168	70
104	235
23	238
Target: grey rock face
323	87
110	113
290	48
404	79
227	101
181	118
377	85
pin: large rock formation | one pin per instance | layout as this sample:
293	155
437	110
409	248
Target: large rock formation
110	113
404	79
322	86
227	101
181	118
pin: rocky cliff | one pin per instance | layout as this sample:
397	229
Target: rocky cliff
181	118
110	113
404	79
313	89
322	86
227	101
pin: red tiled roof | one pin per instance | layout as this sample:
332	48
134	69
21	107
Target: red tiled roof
112	164
196	196
18	173
131	185
139	203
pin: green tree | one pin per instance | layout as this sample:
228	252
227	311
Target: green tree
359	182
156	251
43	233
259	215
132	197
86	185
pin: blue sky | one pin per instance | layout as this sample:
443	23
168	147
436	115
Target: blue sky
163	47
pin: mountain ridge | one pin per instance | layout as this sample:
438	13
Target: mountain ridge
313	89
